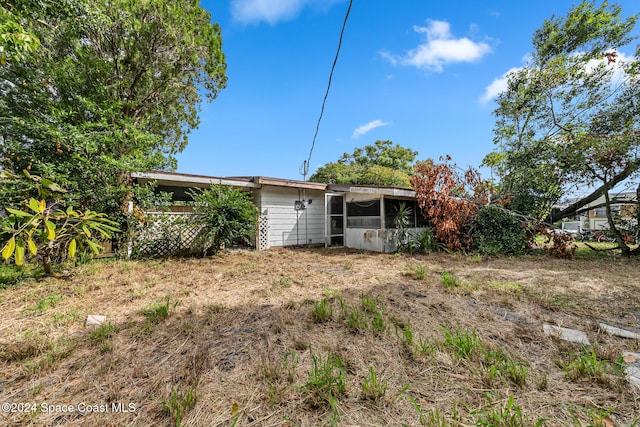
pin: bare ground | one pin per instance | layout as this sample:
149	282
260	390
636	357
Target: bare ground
240	339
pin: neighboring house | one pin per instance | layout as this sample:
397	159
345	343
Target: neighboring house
594	215
306	213
623	206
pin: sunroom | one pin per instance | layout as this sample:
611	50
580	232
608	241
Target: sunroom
362	217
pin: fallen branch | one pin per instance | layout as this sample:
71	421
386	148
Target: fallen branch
600	249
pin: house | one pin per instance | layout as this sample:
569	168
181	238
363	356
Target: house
593	216
296	213
623	206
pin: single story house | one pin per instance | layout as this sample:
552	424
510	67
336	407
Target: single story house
306	213
593	216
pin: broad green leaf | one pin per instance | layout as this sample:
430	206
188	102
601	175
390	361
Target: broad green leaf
94	246
32	246
42	206
16	212
47	183
51	229
8	248
19	257
34	205
86	231
72	248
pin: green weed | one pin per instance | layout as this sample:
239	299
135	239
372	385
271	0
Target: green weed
374	387
417	271
322	311
283	282
378	324
369	304
587	365
176	406
464	343
426	347
326	380
498	363
509	415
104	332
159	311
407	336
356	319
450	280
289	363
45	303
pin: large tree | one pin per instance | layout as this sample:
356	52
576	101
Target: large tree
379	164
113	87
570	119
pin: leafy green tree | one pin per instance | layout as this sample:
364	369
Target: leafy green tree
498	232
15	43
114	87
227	216
569	119
379	164
46	230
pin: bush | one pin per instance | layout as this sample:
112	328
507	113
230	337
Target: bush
227	216
498	232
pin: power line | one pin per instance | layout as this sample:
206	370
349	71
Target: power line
335	60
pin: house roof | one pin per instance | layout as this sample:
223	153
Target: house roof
175	179
372	189
188	180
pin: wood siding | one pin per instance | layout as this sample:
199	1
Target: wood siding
288	226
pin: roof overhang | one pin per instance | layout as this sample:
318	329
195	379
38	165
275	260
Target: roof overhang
187	180
373	190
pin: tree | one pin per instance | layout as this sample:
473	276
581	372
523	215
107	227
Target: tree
226	216
114	87
450	200
47	231
379	164
15	43
569	119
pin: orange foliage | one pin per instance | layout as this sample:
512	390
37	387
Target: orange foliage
449	200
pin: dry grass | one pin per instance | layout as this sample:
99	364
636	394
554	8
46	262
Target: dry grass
239	336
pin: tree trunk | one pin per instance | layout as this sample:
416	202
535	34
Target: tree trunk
616	179
46	261
626	251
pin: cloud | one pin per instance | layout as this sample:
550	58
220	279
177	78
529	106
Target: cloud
361	130
439	48
272	11
498	86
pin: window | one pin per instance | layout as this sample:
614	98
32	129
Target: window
602	211
363	214
391	207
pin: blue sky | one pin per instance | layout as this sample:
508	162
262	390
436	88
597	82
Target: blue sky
419	73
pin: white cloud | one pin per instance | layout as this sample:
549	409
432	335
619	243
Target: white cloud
273	11
439	48
498	86
361	130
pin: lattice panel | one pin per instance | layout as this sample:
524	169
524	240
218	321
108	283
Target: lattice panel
263	231
167	235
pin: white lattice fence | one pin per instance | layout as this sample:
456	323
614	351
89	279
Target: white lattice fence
263	231
167	234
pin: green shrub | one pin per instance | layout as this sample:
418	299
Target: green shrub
227	216
497	232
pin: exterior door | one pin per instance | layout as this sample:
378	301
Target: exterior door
335	221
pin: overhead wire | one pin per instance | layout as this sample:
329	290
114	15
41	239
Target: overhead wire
335	60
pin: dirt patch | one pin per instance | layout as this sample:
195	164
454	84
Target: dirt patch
244	333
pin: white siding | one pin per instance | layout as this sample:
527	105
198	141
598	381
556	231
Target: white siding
288	226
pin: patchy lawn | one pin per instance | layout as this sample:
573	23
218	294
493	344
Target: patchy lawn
321	337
